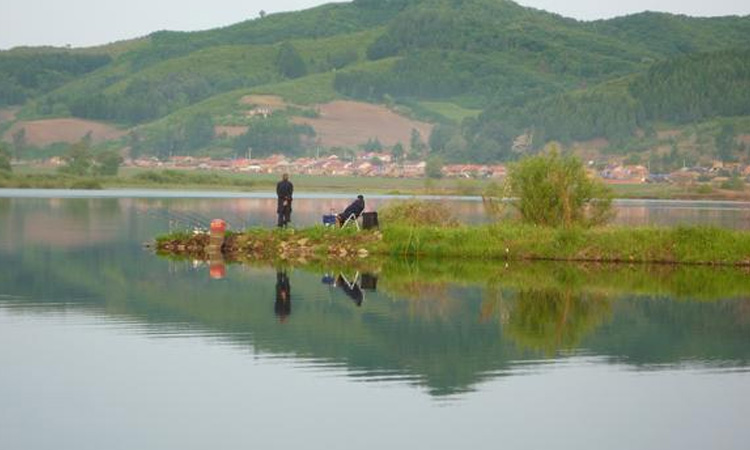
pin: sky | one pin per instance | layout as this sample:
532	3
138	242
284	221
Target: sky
83	23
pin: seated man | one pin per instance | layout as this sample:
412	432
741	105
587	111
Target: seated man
355	208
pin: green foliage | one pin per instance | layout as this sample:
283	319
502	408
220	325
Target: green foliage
696	87
725	142
584	115
26	74
86	183
372	145
107	163
19	142
5	158
78	160
417	213
529	72
319	22
275	134
187	178
289	62
734	183
398	152
434	167
553	190
667	35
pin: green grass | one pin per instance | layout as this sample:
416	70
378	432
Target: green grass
217	63
513	242
451	111
308	90
684	245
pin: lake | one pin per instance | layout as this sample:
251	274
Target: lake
106	345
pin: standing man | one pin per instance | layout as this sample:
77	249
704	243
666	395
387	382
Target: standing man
284	191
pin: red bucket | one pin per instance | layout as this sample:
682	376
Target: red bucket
218	226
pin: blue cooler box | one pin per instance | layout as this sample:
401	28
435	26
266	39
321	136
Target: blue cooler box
329	220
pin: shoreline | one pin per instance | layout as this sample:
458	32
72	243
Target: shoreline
192	192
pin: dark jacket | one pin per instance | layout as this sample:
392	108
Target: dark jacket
355	208
284	191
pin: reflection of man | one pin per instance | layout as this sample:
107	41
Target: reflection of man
352	290
284	191
283	305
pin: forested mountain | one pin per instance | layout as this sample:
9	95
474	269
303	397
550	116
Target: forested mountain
529	73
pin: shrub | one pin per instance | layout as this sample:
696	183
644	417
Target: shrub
735	183
553	190
86	183
417	213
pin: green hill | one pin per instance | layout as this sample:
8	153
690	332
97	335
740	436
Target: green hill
486	71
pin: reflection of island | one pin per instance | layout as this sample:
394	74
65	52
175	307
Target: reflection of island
283	305
624	314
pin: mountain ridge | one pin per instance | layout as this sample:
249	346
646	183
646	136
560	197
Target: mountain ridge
411	55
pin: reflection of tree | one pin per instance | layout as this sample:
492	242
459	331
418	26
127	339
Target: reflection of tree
552	319
493	305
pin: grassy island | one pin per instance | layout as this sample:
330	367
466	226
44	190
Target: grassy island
498	242
562	213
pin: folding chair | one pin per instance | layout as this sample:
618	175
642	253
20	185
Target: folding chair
351	219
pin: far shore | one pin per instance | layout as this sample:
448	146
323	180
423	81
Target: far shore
244	183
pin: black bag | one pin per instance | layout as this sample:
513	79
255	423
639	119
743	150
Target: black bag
369	220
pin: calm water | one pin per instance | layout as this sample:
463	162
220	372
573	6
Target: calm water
105	345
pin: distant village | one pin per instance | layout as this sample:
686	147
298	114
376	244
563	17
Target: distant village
369	164
375	164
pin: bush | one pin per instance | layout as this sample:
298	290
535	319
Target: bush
552	190
417	213
87	183
735	183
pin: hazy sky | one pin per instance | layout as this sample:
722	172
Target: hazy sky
94	22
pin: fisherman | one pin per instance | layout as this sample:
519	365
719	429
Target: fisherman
355	208
284	191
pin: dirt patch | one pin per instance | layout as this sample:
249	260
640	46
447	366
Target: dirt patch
8	114
668	134
49	131
349	124
268	101
229	131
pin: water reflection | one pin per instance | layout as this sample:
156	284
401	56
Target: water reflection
443	326
549	320
283	305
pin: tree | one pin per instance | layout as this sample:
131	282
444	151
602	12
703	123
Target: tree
289	62
434	167
417	145
262	14
552	190
398	152
4	158
373	145
198	131
78	160
725	142
19	143
440	136
107	163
